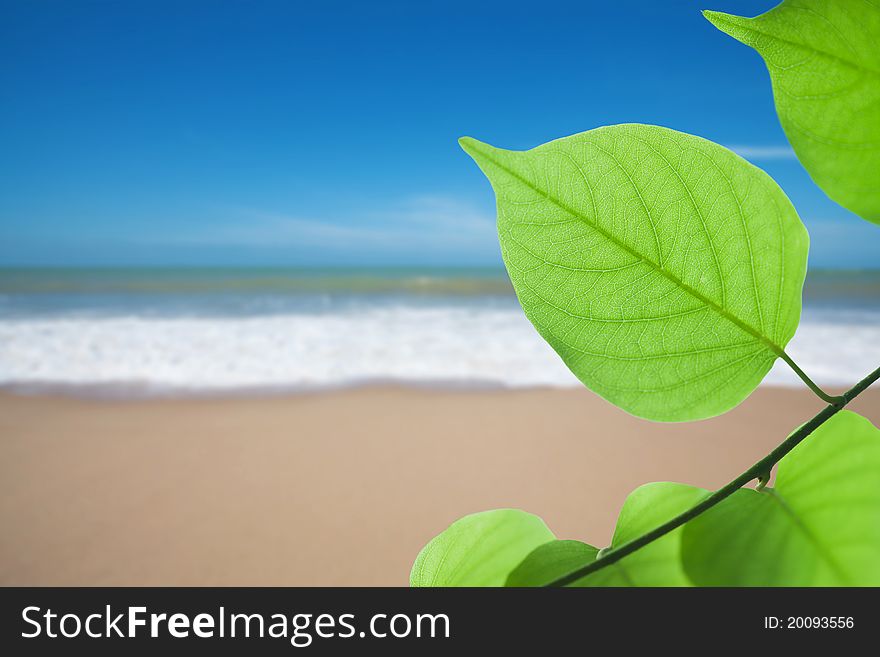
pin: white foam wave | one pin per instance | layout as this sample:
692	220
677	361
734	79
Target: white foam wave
456	345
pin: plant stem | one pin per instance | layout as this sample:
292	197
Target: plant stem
760	470
824	396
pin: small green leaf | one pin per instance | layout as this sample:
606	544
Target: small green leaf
824	63
819	526
665	270
551	561
656	564
480	549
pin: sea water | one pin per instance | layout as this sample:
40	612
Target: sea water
208	331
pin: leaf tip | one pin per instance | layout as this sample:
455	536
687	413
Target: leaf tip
469	145
727	23
480	152
717	18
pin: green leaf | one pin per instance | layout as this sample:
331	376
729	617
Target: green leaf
665	270
551	561
479	549
819	526
659	562
824	63
656	564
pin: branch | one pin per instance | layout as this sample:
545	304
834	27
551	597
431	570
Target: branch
760	471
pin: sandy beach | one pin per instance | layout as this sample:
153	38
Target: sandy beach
339	488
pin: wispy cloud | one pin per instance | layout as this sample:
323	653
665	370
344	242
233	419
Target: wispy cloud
847	242
755	152
432	222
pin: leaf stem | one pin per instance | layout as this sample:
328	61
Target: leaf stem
757	471
824	396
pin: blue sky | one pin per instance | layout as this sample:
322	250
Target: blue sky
309	134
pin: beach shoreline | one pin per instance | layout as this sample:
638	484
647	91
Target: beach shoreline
333	488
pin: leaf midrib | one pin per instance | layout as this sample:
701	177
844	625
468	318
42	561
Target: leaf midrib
741	324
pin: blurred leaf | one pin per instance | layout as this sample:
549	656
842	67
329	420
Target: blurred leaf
656	564
824	63
479	549
819	526
665	270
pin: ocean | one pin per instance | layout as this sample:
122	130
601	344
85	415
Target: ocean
166	332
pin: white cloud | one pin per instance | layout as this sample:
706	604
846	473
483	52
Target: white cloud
438	222
754	152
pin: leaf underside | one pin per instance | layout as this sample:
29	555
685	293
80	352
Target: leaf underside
824	62
819	525
665	270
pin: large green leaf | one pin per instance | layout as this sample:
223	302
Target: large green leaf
819	526
665	270
824	63
479	549
656	564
